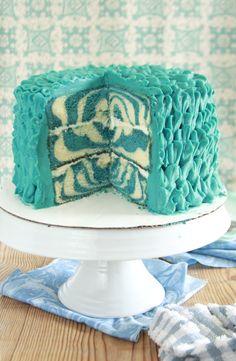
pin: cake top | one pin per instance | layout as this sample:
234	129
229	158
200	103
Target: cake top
155	79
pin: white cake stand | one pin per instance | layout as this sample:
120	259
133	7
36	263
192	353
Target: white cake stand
110	236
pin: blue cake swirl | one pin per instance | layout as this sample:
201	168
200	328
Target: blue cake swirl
146	131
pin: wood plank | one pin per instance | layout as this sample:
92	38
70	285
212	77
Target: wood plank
214	274
222	293
12	319
48	337
25	261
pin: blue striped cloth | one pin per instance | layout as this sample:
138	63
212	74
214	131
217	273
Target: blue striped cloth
197	333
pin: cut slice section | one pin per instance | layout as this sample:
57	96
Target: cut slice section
99	137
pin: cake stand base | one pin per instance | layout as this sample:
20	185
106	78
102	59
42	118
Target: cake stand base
122	288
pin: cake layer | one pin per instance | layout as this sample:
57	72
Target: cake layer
80	107
129	179
81	178
132	144
77	142
130	120
129	108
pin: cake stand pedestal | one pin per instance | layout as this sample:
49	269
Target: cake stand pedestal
110	236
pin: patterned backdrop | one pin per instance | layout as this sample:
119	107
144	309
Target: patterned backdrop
38	35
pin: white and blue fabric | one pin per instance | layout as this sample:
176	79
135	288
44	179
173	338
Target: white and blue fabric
40	286
221	253
197	333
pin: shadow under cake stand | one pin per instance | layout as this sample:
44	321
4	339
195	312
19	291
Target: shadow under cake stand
110	236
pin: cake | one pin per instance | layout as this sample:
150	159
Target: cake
146	132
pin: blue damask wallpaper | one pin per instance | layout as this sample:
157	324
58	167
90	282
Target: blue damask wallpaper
38	35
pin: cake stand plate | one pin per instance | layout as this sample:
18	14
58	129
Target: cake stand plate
110	236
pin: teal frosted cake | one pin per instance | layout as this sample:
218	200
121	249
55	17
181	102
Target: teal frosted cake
147	132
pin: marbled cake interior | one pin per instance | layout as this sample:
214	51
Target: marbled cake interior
99	138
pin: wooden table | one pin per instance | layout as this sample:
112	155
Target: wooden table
28	334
